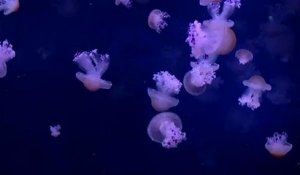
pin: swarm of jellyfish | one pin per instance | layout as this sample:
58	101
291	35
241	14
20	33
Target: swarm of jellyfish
6	53
277	145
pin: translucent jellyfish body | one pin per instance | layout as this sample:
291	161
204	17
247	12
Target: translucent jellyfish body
126	3
244	56
94	65
277	145
9	6
256	86
6	53
156	20
165	128
201	75
167	85
55	130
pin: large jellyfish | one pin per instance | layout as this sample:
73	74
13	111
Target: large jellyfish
126	3
94	65
167	85
9	6
256	86
6	53
277	145
156	20
244	56
213	37
165	128
201	75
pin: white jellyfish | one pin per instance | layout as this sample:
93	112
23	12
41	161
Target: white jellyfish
277	145
156	20
55	130
244	56
256	86
165	128
126	3
9	6
6	53
167	85
94	65
201	75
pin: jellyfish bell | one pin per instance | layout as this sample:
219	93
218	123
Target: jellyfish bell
9	6
156	20
126	3
244	56
207	2
92	82
190	87
257	82
165	128
160	101
278	145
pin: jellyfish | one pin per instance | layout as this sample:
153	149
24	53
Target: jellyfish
126	3
55	130
9	6
156	20
277	145
256	86
202	74
167	85
94	65
165	128
6	53
207	2
244	56
213	37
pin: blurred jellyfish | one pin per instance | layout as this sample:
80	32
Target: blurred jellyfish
9	6
156	20
55	130
126	3
94	65
256	86
213	37
6	53
280	90
277	145
244	56
207	2
165	128
167	85
202	74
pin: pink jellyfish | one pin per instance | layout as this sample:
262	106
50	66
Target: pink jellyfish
244	56
94	65
167	85
213	37
277	145
9	6
165	128
156	20
126	3
201	75
6	53
256	86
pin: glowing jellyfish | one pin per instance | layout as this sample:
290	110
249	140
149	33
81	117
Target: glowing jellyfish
201	75
165	128
94	65
277	145
6	53
244	56
126	3
207	2
9	6
256	86
213	37
156	20
55	130
167	85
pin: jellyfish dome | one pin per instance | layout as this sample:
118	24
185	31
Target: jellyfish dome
9	6
277	145
256	86
94	65
6	53
156	20
165	128
244	56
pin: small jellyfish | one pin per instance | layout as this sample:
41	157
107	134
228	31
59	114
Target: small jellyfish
126	3
244	56
6	53
165	128
94	65
55	130
256	86
156	20
167	85
277	145
9	6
